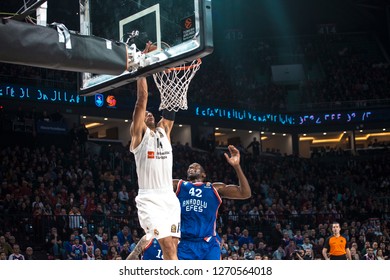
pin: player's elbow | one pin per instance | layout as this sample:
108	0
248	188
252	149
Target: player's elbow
247	190
248	195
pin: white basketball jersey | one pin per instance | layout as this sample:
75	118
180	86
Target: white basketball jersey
153	158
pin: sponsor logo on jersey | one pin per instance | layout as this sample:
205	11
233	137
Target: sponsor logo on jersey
173	228
150	154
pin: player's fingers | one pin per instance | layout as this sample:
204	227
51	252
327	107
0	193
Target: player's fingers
147	47
232	149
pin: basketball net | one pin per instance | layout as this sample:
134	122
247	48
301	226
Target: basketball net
173	85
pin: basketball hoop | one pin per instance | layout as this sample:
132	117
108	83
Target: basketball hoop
173	85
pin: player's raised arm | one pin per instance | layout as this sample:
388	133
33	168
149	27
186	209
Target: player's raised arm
166	122
138	125
243	190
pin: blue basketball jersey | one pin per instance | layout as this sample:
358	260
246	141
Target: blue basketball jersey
152	251
199	204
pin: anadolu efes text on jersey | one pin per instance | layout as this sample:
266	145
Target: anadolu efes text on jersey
196	205
199	204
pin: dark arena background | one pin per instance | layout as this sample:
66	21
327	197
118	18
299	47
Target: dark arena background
300	87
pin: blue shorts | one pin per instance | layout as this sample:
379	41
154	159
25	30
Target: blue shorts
199	250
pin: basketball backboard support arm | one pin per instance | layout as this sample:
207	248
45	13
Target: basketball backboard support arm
157	21
29	9
56	47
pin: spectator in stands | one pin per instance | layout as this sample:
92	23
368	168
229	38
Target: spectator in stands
125	250
298	238
245	238
123	196
255	145
29	255
279	254
354	254
379	255
77	249
84	234
276	236
76	220
124	235
88	244
306	244
112	253
68	246
317	248
98	254
290	249
98	237
16	255
6	247
62	223
369	255
55	245
261	249
104	244
89	255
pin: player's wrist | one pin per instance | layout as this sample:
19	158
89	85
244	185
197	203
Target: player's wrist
169	115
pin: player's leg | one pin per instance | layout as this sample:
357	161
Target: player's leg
169	247
213	250
188	250
166	222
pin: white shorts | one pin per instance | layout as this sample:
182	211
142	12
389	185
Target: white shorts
158	213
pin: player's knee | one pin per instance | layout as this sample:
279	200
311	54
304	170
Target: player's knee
168	247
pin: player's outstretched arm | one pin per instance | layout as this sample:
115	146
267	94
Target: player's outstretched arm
167	121
243	191
134	255
138	125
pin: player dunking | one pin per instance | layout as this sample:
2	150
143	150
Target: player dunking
199	203
158	207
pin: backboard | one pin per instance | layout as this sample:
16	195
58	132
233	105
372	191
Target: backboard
181	30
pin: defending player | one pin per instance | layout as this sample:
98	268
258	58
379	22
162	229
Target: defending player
199	203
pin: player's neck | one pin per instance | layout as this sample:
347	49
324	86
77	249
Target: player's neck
152	128
196	181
